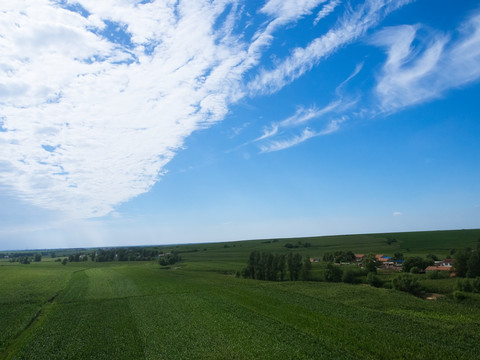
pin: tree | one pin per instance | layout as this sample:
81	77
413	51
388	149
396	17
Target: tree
281	266
350	276
371	263
169	259
373	280
432	257
473	264
251	264
398	256
415	261
271	270
460	262
38	258
306	268
407	283
294	263
64	261
467	263
333	273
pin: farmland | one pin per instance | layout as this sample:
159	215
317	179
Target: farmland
198	308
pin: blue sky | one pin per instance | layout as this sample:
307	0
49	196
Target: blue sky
156	122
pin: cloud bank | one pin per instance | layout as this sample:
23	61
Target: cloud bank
96	97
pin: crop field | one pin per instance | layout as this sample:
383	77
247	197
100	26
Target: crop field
199	309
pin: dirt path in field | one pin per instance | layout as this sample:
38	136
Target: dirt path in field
433	296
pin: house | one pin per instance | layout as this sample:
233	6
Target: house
382	258
359	257
314	260
388	265
438	268
447	262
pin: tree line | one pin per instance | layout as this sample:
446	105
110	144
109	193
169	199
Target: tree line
115	254
467	262
276	267
25	259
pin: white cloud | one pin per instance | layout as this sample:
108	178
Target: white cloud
397	213
418	68
417	72
268	132
352	26
91	123
304	115
97	96
327	9
284	144
300	117
281	13
289	9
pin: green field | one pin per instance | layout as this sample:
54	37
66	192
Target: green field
198	309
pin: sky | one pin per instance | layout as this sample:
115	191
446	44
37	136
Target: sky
127	122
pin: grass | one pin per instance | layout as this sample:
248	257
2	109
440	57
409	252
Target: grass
198	309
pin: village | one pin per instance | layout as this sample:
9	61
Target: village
384	262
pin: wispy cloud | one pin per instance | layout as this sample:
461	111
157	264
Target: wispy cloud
340	87
284	144
352	26
422	67
327	9
327	114
280	13
300	117
268	132
290	141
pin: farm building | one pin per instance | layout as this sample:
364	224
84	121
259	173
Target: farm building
382	258
438	268
447	262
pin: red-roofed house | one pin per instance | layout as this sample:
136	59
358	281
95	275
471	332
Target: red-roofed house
382	258
438	268
359	257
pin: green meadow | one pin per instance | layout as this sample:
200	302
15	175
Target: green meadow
198	309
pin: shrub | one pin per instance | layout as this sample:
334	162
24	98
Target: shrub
350	276
459	295
373	280
464	285
169	259
407	283
434	275
476	285
414	270
333	273
416	261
